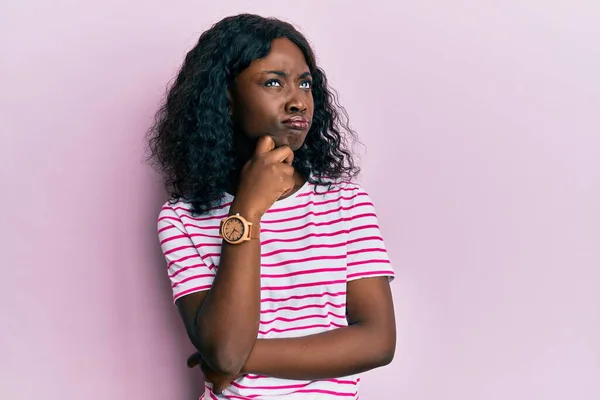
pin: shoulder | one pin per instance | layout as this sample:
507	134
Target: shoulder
348	196
342	189
174	212
181	210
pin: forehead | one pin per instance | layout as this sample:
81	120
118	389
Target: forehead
284	56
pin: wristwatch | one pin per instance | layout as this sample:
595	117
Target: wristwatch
236	229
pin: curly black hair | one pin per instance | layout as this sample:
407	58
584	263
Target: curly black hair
191	140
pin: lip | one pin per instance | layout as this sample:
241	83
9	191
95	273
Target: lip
299	123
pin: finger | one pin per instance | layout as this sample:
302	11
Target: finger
264	145
194	360
283	154
290	158
288	170
218	388
290	185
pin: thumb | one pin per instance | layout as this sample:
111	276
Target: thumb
193	360
264	145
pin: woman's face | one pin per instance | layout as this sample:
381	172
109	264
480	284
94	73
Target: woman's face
273	97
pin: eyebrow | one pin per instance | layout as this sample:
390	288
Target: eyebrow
283	74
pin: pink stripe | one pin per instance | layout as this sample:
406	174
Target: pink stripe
339	394
168	218
207	218
328	234
344	382
315	203
351	264
338	381
216	227
307	272
371	273
301	328
179	271
218	243
212	396
303	260
252	376
174	249
283	319
327	304
204	235
191	278
166	228
300	297
313	213
312	246
279	387
196	247
327	223
362	227
365	239
192	290
182	259
367	250
209	255
171	238
235	397
301	285
203	258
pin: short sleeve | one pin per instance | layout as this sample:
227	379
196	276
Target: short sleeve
187	271
366	251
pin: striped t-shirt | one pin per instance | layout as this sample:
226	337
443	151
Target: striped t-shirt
312	244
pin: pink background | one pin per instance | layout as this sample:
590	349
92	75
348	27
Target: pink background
482	124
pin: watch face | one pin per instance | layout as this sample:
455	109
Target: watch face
233	229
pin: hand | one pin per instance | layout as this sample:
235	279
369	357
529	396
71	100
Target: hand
266	177
219	381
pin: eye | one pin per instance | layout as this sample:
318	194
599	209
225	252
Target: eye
273	83
306	85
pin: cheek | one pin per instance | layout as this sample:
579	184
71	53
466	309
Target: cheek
260	113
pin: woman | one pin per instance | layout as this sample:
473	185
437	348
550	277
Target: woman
275	258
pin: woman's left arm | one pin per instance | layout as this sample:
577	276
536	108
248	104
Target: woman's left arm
368	342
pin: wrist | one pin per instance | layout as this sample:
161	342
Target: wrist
248	213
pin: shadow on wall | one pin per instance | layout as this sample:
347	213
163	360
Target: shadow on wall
169	320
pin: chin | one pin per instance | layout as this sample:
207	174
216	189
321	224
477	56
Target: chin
295	142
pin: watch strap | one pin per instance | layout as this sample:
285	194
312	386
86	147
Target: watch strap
254	230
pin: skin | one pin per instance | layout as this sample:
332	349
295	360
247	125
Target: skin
266	95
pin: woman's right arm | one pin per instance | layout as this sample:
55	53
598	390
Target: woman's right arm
223	322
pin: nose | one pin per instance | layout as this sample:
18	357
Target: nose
296	103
